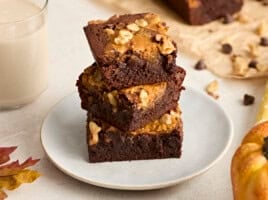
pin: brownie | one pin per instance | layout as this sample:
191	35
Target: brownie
130	108
132	49
198	12
159	139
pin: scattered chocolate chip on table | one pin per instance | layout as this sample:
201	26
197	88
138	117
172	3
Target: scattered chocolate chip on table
248	99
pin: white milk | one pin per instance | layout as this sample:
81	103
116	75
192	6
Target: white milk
23	53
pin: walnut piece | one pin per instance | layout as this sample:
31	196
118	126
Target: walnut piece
152	18
212	89
240	65
141	22
112	99
94	130
109	31
166	119
144	98
133	27
158	37
167	47
253	50
124	37
262	29
262	68
243	18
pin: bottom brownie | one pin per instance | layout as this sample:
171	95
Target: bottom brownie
159	139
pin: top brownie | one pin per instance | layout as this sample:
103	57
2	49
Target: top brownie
198	12
129	46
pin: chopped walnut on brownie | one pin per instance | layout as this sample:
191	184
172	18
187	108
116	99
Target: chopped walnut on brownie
132	49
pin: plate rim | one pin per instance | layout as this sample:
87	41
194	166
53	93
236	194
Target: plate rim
155	186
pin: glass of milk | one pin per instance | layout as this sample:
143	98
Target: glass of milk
23	51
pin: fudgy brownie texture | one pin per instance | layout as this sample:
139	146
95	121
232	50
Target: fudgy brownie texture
159	139
132	74
130	108
198	12
132	49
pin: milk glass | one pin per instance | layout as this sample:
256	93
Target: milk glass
23	51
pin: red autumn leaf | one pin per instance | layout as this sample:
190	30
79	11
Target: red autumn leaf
4	153
13	174
14	167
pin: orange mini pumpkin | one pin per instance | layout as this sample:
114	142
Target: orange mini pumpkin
249	169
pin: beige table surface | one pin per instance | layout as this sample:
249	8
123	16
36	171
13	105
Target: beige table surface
69	54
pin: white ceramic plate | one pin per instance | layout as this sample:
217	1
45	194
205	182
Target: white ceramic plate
207	135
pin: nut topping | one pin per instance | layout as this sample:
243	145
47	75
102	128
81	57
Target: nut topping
262	68
158	37
125	34
133	27
94	130
112	99
262	29
109	31
166	119
240	65
120	40
253	50
212	89
242	18
167	47
144	98
124	37
141	22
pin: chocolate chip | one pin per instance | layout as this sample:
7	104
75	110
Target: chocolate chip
200	65
265	2
227	19
226	48
264	41
253	64
248	99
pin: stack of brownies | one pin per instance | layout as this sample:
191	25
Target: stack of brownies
131	93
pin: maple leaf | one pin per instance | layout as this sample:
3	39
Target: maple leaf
4	154
15	167
13	174
14	181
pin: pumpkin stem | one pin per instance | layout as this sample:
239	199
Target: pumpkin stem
265	147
